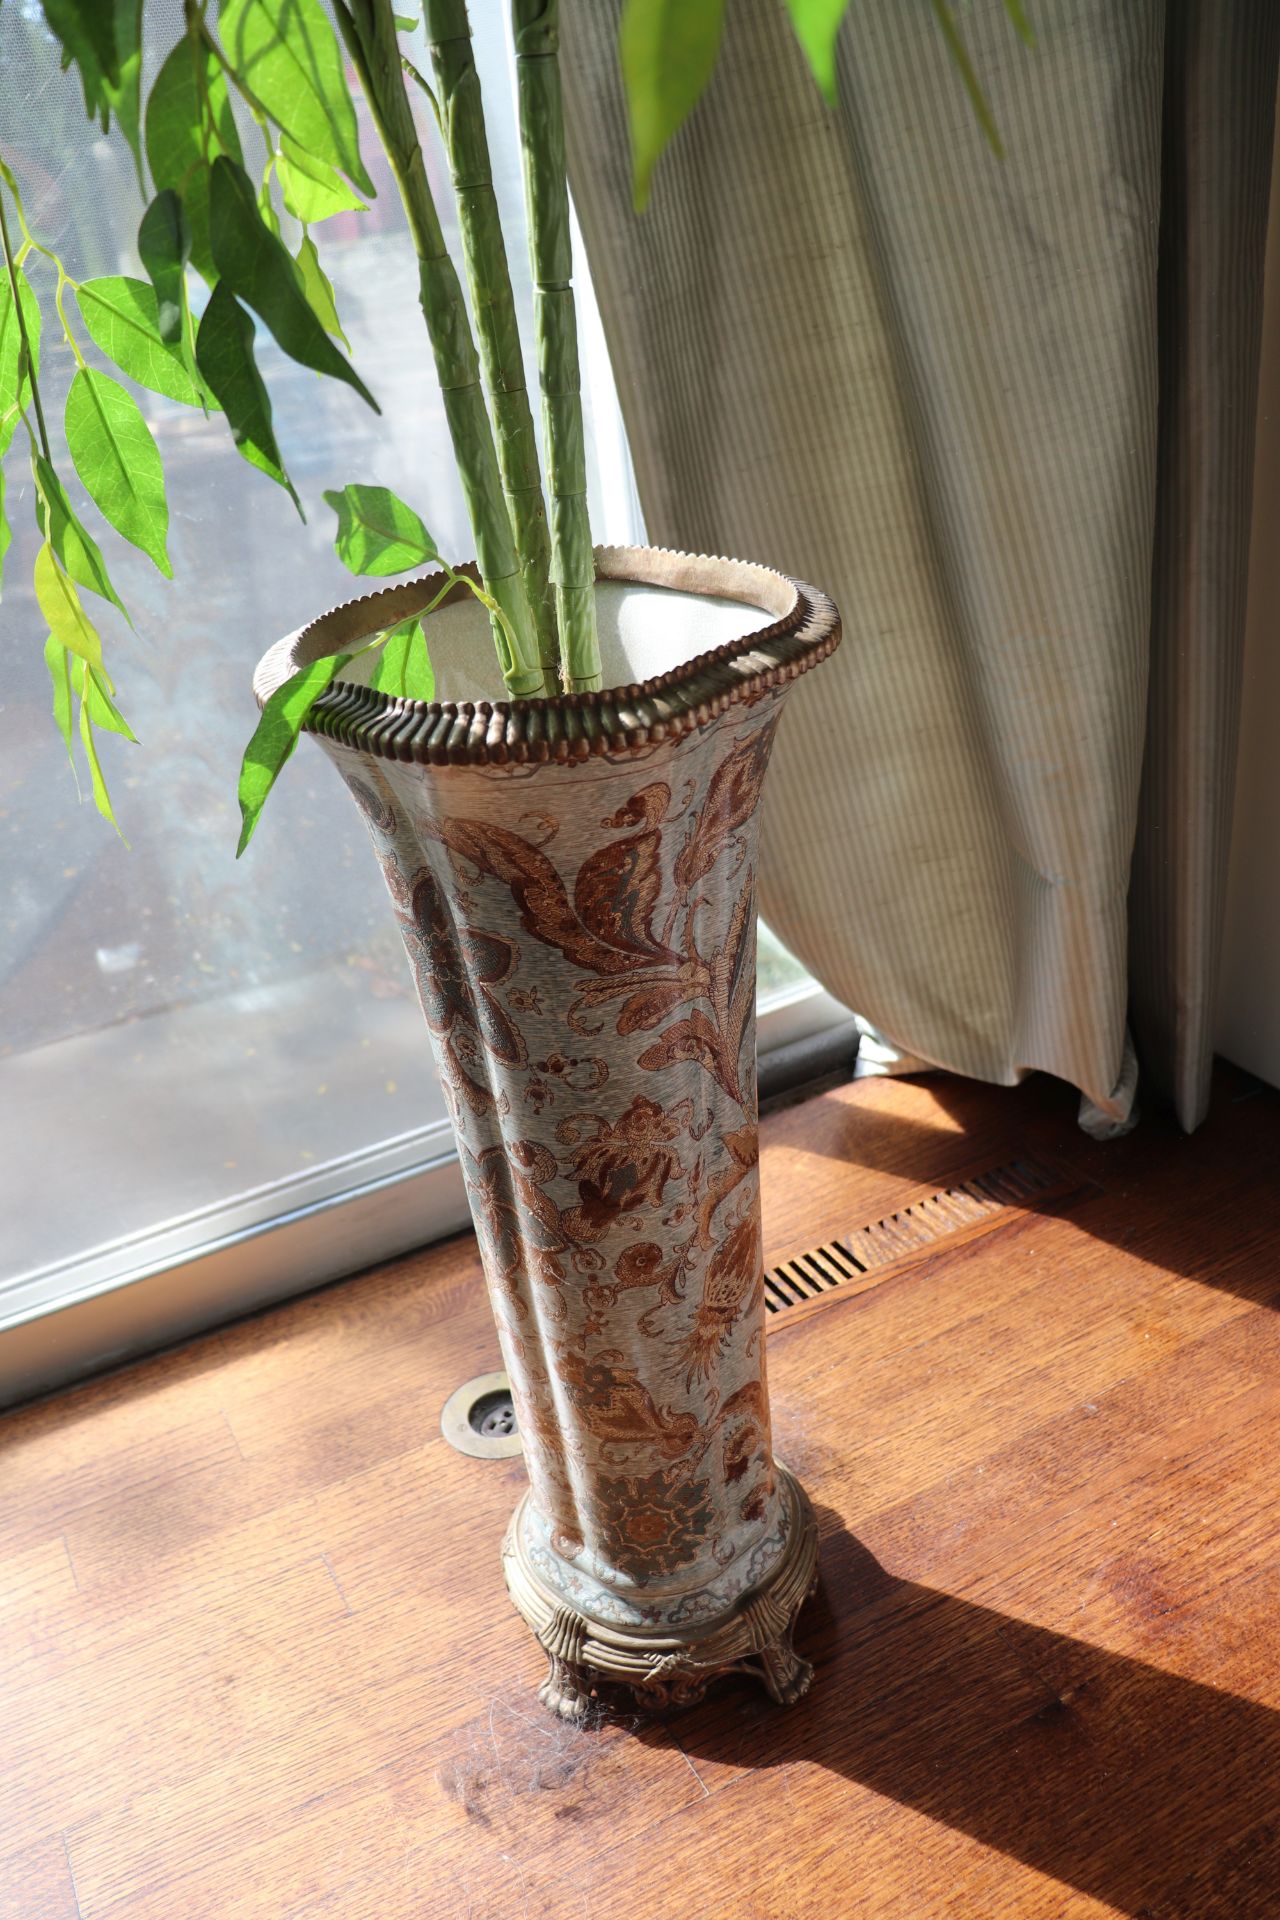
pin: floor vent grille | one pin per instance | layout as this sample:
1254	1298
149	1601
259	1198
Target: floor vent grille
974	1204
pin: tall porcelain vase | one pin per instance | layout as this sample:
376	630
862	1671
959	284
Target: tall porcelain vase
575	882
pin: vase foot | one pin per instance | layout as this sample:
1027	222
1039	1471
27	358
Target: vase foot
566	1692
588	1658
785	1677
567	1687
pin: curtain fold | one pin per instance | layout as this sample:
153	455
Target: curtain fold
1220	91
858	346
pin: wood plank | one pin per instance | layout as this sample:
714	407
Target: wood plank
498	1797
34	1579
257	1658
36	1883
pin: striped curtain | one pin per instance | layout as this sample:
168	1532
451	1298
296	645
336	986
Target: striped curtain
1002	410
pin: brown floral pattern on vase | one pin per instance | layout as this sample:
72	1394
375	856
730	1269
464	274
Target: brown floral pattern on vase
575	878
653	1524
583	942
457	971
624	1165
619	1412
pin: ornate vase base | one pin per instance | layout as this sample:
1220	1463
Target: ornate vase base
665	1671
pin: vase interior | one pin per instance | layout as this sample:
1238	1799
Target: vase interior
644	631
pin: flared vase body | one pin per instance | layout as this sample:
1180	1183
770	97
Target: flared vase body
578	906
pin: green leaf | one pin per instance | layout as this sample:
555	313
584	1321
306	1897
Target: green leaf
95	23
121	317
102	799
76	549
64	616
164	247
377	532
319	291
964	67
817	23
407	22
118	461
276	736
86	30
403	665
313	190
224	354
103	710
12	389
288	55
175	111
259	269
668	51
124	97
58	661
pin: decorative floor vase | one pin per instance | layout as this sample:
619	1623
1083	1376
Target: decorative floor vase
575	881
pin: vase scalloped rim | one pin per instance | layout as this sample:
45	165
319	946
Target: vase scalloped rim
682	637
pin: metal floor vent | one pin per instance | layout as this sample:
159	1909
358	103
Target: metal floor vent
974	1204
479	1418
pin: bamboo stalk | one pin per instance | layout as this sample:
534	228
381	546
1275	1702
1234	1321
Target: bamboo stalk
369	30
537	38
493	305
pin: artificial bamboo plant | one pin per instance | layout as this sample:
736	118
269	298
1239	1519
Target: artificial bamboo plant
280	65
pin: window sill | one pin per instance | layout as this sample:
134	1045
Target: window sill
148	1290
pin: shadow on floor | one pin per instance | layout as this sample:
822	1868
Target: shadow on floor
1153	1793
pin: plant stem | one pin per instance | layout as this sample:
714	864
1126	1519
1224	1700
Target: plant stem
369	29
461	115
420	80
22	331
536	28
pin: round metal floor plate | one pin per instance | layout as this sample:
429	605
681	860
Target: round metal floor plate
479	1418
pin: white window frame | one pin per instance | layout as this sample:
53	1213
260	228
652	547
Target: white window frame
149	1289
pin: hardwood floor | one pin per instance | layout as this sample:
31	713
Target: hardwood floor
257	1659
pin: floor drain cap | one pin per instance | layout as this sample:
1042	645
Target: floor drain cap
480	1418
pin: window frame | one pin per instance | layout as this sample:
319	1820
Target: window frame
185	1276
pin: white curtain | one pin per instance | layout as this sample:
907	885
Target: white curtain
989	405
